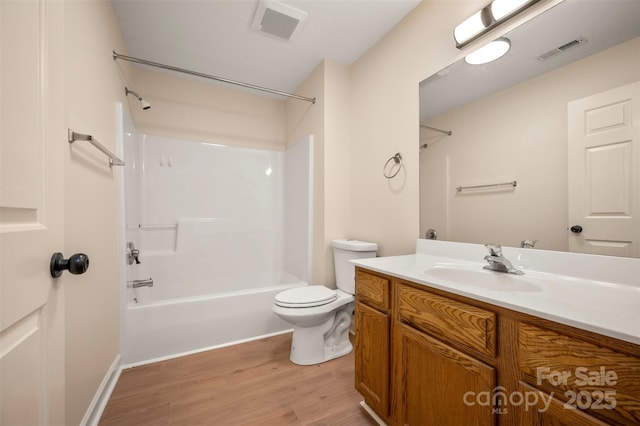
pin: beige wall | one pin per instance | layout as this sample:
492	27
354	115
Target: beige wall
518	133
92	87
337	162
203	110
384	90
384	102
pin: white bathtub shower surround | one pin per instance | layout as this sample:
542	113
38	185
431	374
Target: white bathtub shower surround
298	211
220	230
212	217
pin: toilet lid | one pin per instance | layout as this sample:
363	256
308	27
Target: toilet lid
306	297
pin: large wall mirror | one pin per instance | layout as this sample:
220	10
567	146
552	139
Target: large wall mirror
498	153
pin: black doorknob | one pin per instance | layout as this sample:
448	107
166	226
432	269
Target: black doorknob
76	264
576	229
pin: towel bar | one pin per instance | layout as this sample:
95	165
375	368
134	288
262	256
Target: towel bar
113	159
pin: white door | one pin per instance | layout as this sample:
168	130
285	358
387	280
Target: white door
604	172
32	143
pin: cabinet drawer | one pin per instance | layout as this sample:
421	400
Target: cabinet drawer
449	319
603	381
372	289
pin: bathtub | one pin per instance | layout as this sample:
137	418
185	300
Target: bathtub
162	330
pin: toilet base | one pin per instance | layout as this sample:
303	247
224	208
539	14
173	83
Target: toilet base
304	357
330	340
337	352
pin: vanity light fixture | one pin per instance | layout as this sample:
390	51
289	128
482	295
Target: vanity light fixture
489	52
503	8
489	17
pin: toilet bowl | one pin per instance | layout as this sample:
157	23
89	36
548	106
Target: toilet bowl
321	317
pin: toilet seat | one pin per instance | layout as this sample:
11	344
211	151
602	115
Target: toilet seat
306	297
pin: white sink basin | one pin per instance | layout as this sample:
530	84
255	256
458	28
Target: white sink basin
490	280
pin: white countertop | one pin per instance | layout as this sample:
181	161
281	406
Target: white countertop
568	288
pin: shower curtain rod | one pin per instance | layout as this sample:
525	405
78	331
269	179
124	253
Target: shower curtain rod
211	77
446	132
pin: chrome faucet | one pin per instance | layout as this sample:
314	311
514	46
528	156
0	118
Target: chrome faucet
497	262
528	243
140	283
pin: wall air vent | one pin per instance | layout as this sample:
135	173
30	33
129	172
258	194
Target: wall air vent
278	19
562	48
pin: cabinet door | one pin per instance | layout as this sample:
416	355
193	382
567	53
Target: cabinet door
542	409
440	385
372	357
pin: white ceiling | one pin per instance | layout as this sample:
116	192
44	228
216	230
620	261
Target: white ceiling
215	36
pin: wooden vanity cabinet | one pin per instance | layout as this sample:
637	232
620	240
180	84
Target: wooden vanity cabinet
428	357
372	341
437	383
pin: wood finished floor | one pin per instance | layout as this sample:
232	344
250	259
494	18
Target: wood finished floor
252	383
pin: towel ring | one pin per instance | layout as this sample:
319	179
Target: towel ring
397	159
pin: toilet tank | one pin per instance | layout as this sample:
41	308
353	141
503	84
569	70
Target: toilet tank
343	252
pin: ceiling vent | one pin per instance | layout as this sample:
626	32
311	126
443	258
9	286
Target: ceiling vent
563	48
278	19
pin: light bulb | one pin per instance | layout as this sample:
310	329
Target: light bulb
469	28
489	52
502	8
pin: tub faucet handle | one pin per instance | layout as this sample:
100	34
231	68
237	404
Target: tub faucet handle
132	254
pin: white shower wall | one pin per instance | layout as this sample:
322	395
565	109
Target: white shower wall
298	211
211	219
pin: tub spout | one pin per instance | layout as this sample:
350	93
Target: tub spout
141	283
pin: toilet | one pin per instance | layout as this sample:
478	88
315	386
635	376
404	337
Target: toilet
321	316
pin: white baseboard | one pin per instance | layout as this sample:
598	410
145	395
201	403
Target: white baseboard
372	413
97	406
